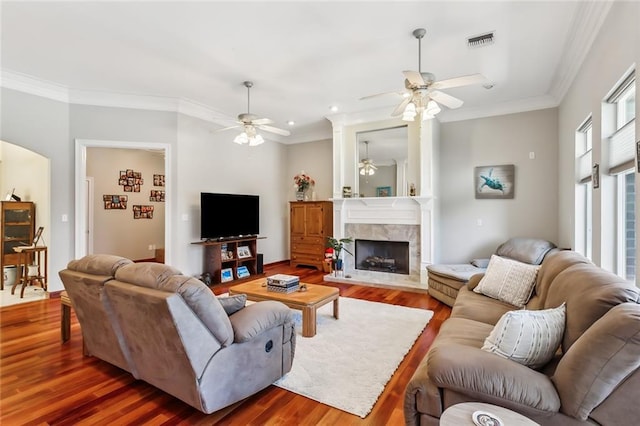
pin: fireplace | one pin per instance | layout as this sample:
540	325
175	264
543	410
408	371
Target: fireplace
386	219
382	256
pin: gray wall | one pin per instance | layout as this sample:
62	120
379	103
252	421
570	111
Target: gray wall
506	139
42	125
614	52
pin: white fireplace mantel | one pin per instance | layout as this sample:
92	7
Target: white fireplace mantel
389	211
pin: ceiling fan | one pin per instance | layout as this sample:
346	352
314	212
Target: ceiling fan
367	168
423	95
251	122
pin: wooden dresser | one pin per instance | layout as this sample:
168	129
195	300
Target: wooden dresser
311	224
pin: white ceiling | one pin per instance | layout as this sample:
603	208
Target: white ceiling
302	56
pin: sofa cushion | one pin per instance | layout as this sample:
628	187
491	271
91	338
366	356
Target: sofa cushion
98	264
590	292
478	307
458	272
257	318
508	280
232	304
481	376
529	338
554	263
599	361
146	274
195	293
527	250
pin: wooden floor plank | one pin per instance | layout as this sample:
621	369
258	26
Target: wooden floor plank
46	382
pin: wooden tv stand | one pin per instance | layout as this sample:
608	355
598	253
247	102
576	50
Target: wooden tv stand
225	257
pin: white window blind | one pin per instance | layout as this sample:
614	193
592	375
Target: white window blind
622	150
583	167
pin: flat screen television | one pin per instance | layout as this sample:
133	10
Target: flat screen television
228	215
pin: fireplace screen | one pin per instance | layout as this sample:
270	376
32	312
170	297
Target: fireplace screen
382	256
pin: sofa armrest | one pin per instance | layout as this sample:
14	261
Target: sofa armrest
474	280
258	317
490	378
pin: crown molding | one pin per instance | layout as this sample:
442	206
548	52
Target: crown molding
46	89
587	21
512	107
33	86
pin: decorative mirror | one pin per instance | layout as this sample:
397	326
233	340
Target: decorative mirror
382	162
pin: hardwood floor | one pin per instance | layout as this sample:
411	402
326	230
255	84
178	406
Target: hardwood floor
45	382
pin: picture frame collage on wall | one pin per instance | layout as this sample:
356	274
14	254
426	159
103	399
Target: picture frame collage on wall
142	212
115	202
157	195
130	180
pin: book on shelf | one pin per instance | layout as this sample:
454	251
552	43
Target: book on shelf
244	252
242	272
226	275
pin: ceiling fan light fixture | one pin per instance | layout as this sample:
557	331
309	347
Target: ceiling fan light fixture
432	108
409	112
366	165
367	170
256	140
241	139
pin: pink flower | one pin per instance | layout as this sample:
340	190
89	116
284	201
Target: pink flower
303	181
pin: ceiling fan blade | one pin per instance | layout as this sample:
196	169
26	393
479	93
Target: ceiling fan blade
261	121
446	100
275	130
227	128
400	108
381	94
414	77
465	80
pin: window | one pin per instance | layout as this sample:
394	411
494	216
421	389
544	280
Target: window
629	226
584	191
622	166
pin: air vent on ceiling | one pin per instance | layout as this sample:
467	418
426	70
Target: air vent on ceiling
481	40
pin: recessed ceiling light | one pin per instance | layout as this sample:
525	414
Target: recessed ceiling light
291	122
333	108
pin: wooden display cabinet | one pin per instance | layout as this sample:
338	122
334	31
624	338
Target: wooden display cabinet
223	259
311	224
18	225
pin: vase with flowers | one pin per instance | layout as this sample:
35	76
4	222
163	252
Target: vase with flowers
302	184
338	245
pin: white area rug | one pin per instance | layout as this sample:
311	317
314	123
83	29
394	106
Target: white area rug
350	360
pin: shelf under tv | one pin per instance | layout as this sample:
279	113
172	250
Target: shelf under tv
214	263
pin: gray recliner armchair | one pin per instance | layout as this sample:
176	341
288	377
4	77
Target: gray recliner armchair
175	334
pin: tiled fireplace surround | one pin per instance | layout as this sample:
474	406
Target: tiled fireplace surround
388	219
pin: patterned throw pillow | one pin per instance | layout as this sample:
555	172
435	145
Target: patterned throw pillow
508	280
530	338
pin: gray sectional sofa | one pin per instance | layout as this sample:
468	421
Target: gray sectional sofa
171	331
593	378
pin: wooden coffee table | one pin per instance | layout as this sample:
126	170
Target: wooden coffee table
306	301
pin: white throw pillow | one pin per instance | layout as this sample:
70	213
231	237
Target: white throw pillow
508	280
527	337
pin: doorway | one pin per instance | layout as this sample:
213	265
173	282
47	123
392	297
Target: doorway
83	217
